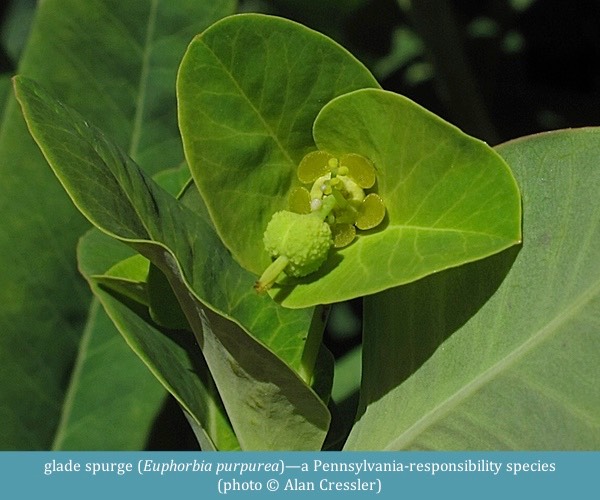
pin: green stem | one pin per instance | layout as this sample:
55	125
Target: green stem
314	339
271	274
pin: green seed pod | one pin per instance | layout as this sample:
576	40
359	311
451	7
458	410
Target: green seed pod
299	243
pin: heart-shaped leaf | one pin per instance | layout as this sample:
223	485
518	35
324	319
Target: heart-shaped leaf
249	89
247	123
502	353
449	198
269	406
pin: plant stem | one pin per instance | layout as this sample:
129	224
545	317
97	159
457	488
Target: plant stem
271	274
314	338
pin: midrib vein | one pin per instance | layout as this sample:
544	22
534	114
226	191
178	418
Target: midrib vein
241	91
136	132
74	382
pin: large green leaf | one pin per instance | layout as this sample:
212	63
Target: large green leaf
116	62
249	89
112	399
172	356
450	198
502	353
267	402
4	92
129	395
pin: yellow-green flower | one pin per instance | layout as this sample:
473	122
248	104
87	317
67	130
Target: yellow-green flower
346	178
328	214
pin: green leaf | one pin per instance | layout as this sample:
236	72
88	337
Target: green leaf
116	62
172	356
164	306
123	76
502	353
128	278
112	400
450	199
249	89
256	386
4	91
173	180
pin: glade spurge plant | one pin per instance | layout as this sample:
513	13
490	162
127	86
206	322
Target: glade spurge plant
302	166
248	123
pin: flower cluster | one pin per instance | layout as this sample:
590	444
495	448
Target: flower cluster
325	215
345	178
